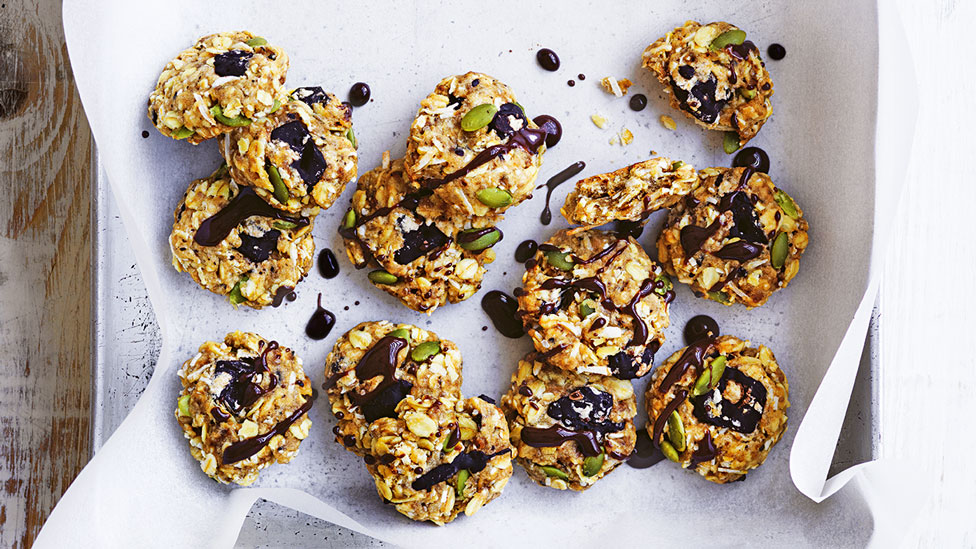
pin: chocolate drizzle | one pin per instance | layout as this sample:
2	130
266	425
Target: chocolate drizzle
328	264
247	203
379	360
526	250
243	390
474	461
573	169
645	454
743	415
745	225
700	327
706	450
525	138
321	322
552	127
246	448
502	309
662	420
557	435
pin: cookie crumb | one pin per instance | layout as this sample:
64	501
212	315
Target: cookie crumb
616	87
626	137
599	120
668	122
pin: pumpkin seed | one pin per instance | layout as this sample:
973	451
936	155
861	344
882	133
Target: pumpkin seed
257	41
560	260
586	308
236	122
401	333
668	285
677	164
676	431
478	117
275	106
716	368
447	441
483	242
283	225
425	350
280	190
380	276
721	297
730	143
728	38
235	296
183	133
593	464
349	220
462	479
747	93
184	405
781	248
786	202
351	136
554	472
493	197
669	451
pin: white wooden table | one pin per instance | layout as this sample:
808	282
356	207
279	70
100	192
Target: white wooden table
928	294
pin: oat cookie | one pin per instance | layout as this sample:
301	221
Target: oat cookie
226	80
474	147
631	193
233	243
735	239
718	407
376	365
595	303
423	262
569	430
244	406
300	155
437	458
715	76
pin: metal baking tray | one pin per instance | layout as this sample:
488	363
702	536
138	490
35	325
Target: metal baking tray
126	343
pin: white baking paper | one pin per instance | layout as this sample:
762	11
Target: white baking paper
143	488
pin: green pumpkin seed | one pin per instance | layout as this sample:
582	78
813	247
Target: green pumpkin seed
747	93
478	117
730	143
235	296
425	350
560	260
494	197
676	431
586	308
593	464
349	220
677	164
483	242
183	133
462	479
702	383
280	190
554	472
380	276
721	297
257	41
668	285
447	442
184	405
786	202
275	106
716	369
351	136
222	170
284	225
669	451
728	38
401	333
236	122
781	248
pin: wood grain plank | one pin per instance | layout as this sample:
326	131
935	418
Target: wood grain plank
928	290
45	243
